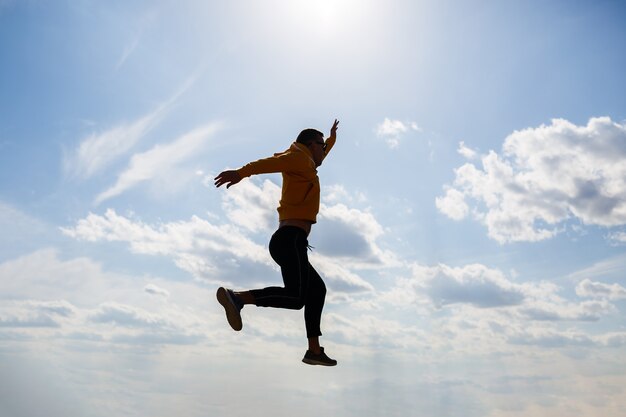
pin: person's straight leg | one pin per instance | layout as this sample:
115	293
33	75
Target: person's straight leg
314	345
314	304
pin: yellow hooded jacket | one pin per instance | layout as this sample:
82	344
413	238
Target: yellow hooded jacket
300	197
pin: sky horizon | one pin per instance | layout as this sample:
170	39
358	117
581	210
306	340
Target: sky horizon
472	227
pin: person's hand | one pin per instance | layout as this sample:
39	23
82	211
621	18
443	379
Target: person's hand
227	177
333	130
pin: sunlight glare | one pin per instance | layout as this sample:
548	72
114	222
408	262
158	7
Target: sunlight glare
324	16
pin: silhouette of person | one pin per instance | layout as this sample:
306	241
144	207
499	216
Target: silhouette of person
297	212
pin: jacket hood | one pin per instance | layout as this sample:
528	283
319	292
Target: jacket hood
298	147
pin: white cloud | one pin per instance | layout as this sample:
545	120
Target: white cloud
483	288
347	239
349	232
615	339
472	284
393	130
344	238
252	207
51	299
109	322
155	290
592	289
374	332
29	315
339	277
127	316
452	204
476	308
544	177
336	193
552	339
466	152
159	162
562	310
206	251
42	274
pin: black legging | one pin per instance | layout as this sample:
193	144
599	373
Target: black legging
303	285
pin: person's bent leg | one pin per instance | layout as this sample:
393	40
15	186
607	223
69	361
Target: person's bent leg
246	297
232	307
288	249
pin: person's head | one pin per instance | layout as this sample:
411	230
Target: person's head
314	140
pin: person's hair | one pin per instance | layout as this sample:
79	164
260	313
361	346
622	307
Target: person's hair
309	135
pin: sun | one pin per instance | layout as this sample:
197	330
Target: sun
324	12
325	17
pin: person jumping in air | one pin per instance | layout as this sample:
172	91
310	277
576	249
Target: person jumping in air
297	212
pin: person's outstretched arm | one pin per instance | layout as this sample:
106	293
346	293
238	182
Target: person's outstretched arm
230	177
277	163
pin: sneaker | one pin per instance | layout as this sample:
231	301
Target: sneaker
311	358
232	305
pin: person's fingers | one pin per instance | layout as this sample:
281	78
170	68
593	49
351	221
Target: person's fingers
219	182
227	177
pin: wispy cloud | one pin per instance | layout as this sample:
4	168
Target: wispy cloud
128	51
544	177
612	268
616	238
159	161
99	150
139	28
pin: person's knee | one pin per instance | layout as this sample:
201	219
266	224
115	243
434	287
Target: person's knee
299	302
298	299
322	290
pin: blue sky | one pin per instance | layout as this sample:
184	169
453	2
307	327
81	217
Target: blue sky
472	230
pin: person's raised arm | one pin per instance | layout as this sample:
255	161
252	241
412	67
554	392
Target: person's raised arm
333	129
330	142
